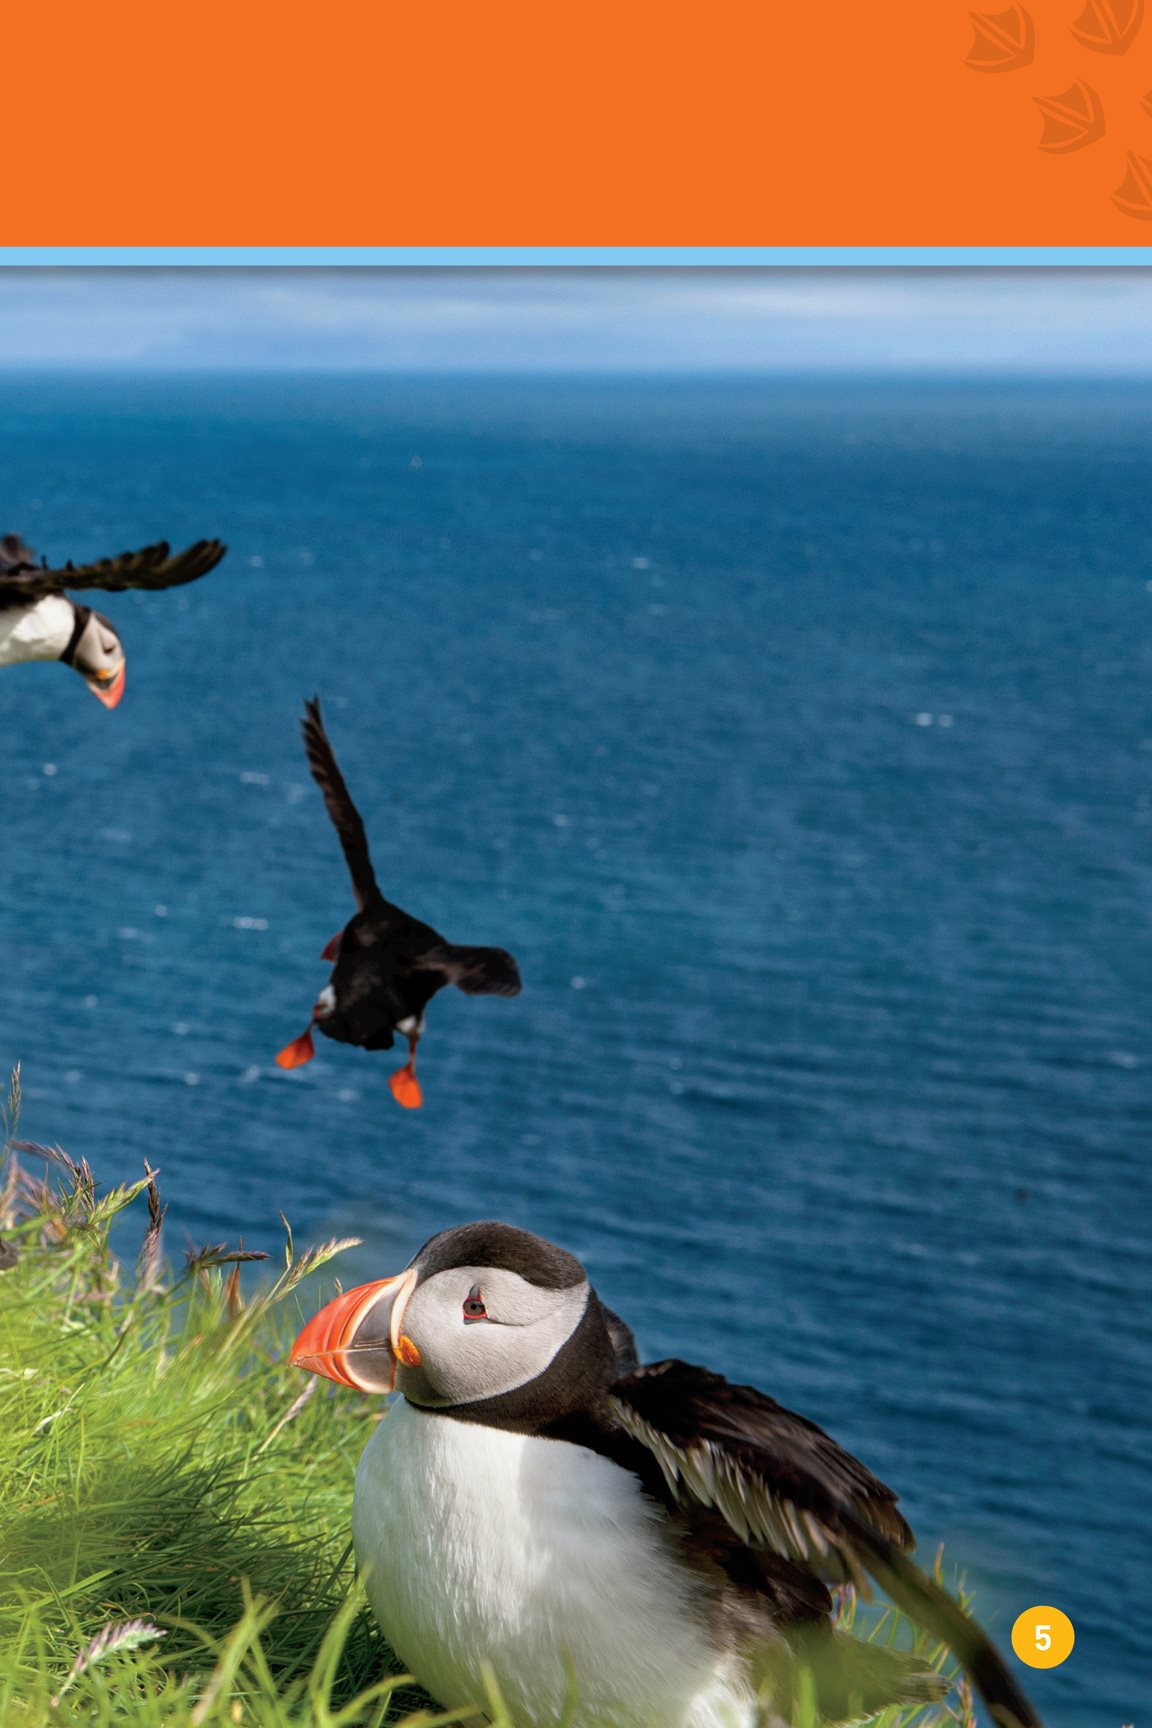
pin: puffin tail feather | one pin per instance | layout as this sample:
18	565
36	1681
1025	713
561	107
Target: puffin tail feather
850	1680
929	1605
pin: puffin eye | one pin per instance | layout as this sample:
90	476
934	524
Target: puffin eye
474	1308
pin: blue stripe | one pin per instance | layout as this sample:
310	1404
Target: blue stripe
631	256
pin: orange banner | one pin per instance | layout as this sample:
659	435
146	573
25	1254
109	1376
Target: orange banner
915	122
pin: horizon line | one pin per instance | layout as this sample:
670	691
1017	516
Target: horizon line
1120	372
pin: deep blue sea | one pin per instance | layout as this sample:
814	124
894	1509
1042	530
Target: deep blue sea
797	738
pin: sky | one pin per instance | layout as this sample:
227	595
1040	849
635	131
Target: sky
587	320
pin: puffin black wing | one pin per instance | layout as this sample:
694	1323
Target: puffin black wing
18	564
23	580
777	1478
784	1485
476	971
16	555
338	803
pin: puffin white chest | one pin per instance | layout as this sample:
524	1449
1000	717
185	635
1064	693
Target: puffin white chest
38	632
546	1561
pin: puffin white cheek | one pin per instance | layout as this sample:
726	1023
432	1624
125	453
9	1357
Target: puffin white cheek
464	1363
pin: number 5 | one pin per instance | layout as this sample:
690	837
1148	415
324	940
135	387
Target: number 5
1043	1637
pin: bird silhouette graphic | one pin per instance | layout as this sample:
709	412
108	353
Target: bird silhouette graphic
1001	41
1109	26
1071	120
1134	193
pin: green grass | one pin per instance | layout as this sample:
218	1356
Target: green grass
176	1500
162	1465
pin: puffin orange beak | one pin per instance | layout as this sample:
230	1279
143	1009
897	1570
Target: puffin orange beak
357	1339
111	692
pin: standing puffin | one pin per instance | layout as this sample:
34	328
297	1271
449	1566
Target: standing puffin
388	966
39	622
627	1546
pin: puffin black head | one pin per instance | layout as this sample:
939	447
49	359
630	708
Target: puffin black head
97	653
489	1324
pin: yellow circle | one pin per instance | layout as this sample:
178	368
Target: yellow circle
1043	1637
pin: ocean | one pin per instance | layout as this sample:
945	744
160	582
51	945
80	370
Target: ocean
796	736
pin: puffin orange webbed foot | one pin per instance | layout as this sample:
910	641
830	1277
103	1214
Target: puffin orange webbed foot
404	1085
300	1050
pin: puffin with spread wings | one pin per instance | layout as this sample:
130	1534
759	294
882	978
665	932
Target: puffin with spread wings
388	965
623	1546
38	621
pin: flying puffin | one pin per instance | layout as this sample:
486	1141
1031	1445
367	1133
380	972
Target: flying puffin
39	622
627	1546
388	966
